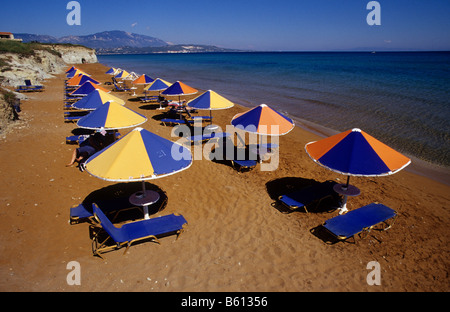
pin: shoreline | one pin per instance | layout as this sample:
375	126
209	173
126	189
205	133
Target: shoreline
420	167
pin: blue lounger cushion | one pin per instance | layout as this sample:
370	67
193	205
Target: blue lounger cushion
308	195
359	220
84	211
200	138
138	230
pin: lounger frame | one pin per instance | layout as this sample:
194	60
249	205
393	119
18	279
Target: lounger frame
364	232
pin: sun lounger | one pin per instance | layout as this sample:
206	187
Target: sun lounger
120	89
360	220
244	165
149	99
308	195
204	137
78	139
166	121
28	87
83	212
135	231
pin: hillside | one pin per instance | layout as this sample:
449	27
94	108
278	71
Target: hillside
103	40
121	42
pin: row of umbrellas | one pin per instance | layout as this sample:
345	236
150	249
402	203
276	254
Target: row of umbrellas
142	155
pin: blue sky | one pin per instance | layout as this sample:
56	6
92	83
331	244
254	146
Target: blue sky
289	25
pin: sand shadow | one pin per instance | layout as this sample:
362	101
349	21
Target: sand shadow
150	106
283	186
119	194
323	234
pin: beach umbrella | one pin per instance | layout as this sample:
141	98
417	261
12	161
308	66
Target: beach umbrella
139	156
143	79
179	89
111	116
95	99
87	88
263	120
71	69
210	100
355	153
80	79
158	85
122	74
112	71
75	73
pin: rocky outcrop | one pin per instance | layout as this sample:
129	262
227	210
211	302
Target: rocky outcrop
42	65
76	54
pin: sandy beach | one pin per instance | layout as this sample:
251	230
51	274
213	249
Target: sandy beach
236	240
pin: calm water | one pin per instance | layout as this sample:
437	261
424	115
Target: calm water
403	99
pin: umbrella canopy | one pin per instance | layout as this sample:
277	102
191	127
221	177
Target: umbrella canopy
179	88
95	99
71	69
111	115
80	79
87	88
111	71
158	85
356	153
210	100
140	155
74	73
122	74
262	119
143	79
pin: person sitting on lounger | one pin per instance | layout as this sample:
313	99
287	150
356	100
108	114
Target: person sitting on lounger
87	148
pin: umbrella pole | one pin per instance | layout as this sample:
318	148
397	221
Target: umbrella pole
348	180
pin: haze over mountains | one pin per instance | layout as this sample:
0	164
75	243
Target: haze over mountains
121	42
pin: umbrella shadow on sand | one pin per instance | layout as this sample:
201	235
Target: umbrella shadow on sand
118	194
283	186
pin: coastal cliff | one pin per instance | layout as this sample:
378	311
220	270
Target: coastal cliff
41	63
36	62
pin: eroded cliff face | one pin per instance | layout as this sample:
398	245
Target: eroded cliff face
76	54
39	66
42	65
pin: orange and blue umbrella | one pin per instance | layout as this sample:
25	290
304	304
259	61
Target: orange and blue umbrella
80	80
356	153
95	99
143	79
140	155
87	88
263	120
71	69
111	116
179	89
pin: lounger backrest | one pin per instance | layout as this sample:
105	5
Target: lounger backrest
114	232
28	82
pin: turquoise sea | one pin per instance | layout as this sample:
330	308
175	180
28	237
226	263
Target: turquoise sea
400	98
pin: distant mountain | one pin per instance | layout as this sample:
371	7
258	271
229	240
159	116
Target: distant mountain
102	40
121	42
